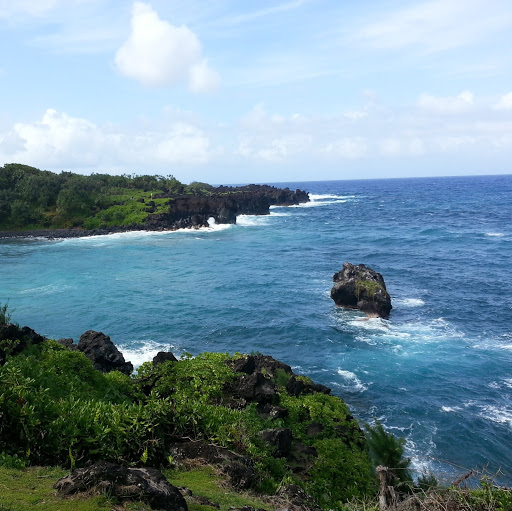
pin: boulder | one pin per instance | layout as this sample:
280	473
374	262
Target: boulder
102	352
68	343
14	340
280	439
249	364
254	387
239	468
359	287
297	386
163	356
145	484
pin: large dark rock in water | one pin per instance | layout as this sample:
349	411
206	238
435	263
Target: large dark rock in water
144	484
102	352
360	287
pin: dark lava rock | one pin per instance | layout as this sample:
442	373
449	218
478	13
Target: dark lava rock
297	499
297	386
16	339
270	411
68	343
145	484
240	469
254	387
164	356
102	352
280	439
360	287
259	363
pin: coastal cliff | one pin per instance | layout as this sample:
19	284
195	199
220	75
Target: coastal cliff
41	203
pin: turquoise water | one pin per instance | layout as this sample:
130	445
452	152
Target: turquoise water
438	372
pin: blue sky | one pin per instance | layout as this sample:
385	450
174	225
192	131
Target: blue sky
230	91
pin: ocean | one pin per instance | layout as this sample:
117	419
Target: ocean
438	372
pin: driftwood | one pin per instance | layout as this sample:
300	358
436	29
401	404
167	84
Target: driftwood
388	497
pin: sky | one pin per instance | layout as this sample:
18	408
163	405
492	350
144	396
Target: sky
238	91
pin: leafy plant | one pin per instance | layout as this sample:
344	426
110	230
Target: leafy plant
388	450
5	314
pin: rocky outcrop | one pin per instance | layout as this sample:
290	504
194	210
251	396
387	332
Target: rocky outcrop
14	340
297	386
223	204
164	356
239	468
142	484
360	287
280	439
103	353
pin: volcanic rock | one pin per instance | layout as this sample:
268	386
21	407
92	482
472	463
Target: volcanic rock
102	352
239	468
145	484
164	356
280	439
360	287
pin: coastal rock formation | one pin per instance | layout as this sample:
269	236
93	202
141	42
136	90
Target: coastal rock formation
103	353
239	468
14	340
223	204
146	484
360	287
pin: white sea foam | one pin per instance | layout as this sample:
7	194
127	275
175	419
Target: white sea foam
104	239
149	349
351	381
314	204
252	220
498	234
449	409
498	414
410	302
315	197
49	289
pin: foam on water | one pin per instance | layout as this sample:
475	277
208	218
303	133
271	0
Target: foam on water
351	381
252	220
409	302
49	289
138	352
495	234
317	197
502	415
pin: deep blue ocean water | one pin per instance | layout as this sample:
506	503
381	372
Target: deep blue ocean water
438	372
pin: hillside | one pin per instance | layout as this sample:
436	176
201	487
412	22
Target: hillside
35	200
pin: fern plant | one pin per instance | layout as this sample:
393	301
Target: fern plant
388	450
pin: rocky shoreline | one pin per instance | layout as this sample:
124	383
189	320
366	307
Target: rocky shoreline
188	211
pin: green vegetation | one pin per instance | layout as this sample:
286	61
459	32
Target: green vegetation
388	450
56	410
206	482
368	286
35	199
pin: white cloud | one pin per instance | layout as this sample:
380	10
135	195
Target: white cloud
348	147
159	54
504	103
10	8
447	105
60	141
437	25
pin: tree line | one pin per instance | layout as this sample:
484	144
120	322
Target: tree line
33	198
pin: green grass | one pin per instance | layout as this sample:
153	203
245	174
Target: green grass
204	481
31	489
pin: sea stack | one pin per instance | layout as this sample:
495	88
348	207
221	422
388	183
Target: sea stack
359	287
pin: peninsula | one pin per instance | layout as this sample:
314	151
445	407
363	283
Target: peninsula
42	203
